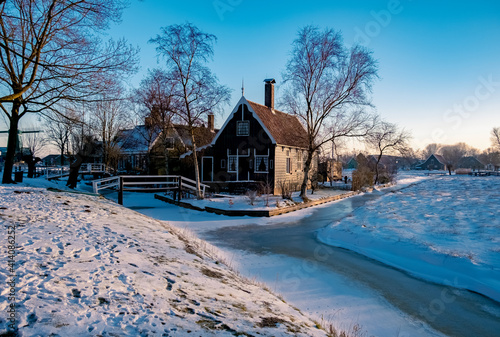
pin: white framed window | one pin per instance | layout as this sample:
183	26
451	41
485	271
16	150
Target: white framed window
242	128
261	164
300	161
223	163
169	143
232	164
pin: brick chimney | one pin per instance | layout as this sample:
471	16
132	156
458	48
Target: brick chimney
269	92
211	122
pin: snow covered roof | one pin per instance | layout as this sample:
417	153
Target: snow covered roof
137	140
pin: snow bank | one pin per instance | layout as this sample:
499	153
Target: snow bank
86	266
444	229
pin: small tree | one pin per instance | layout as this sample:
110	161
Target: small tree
156	98
109	116
34	142
197	92
386	138
326	85
495	138
58	128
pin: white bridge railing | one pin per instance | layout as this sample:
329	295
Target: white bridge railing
160	183
54	172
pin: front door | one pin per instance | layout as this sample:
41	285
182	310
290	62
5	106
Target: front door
207	169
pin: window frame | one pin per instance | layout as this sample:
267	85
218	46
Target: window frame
238	128
257	163
229	160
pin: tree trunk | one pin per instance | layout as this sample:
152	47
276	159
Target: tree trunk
11	145
74	168
31	161
166	159
196	168
307	168
376	168
62	155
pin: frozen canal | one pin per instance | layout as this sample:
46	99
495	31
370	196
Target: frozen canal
334	283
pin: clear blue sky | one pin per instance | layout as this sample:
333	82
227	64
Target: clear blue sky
434	56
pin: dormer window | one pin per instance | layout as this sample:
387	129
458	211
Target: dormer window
242	128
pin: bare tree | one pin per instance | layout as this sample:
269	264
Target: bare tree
326	85
490	156
58	131
156	97
82	143
197	92
453	153
50	52
429	150
109	116
495	137
386	137
33	142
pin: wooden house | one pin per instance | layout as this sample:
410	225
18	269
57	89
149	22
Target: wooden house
256	144
470	163
434	162
143	149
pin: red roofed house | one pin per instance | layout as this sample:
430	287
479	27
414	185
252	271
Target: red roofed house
257	143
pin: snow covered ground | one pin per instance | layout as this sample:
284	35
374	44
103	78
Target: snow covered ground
88	267
441	228
445	229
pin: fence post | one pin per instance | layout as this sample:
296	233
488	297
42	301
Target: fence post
120	192
180	188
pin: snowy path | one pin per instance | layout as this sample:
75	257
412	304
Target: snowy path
88	267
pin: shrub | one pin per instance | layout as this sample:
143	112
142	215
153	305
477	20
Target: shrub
286	189
362	177
252	196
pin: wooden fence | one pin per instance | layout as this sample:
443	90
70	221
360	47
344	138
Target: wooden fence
137	183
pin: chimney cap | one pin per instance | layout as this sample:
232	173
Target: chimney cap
270	80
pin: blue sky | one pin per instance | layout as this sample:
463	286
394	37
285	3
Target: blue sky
438	60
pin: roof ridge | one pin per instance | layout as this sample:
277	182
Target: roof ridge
265	106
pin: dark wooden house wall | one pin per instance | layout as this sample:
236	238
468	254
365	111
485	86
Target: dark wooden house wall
257	143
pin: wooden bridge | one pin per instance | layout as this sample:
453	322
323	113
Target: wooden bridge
484	173
160	183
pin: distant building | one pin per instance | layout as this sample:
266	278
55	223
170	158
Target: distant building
55	160
434	162
143	148
470	163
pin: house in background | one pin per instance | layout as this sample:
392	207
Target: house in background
434	162
470	163
55	160
143	147
256	144
352	164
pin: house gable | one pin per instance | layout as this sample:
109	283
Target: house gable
238	109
